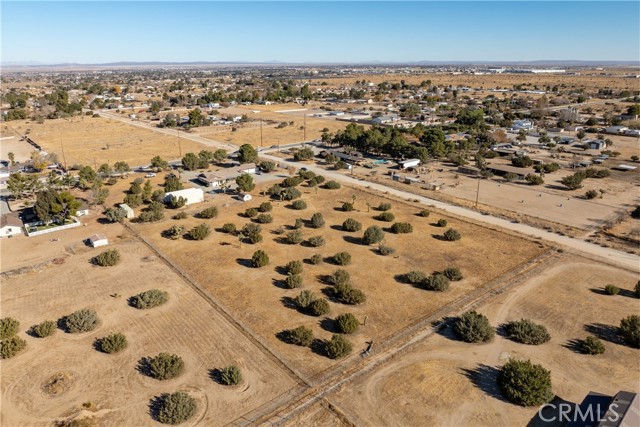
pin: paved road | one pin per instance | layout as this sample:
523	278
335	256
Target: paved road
608	255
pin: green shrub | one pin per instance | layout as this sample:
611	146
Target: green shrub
385	216
372	235
347	294
383	207
290	193
436	282
630	330
208	213
317	220
524	383
318	307
229	228
84	320
316	259
332	185
180	215
590	345
165	366
298	224
292	181
8	327
199	232
112	343
294	237
340	277
149	299
347	323
175	232
251	213
386	250
264	218
340	164
107	258
474	327
453	273
259	259
338	347
299	336
299	205
174	408
351	224
451	235
415	277
293	281
44	329
534	179
347	207
231	375
316	241
11	346
442	223
294	267
527	332
341	258
265	207
424	213
251	232
402	228
304	299
591	194
612	290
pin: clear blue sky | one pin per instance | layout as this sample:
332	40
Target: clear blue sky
96	32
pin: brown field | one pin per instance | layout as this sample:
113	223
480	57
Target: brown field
21	149
87	140
249	133
433	384
255	296
587	81
186	325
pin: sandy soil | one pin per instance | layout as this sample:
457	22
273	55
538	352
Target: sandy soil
434	384
89	140
186	325
12	144
256	297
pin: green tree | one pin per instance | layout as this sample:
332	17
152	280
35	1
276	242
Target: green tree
372	235
158	163
630	330
230	375
191	161
347	323
196	117
149	299
174	408
526	331
8	327
259	259
247	154
164	366
524	383
474	327
245	182
338	347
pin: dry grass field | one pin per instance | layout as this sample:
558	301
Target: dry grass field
11	143
434	384
256	296
87	140
109	386
589	81
249	133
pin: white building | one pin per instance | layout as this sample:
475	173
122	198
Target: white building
247	168
10	225
98	240
522	124
409	163
192	195
128	210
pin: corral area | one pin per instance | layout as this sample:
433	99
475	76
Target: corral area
257	297
64	377
443	381
94	140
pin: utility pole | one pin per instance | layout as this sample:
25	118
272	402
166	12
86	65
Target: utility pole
64	158
179	143
304	138
478	192
260	133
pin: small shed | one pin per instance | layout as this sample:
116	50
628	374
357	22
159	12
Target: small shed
408	163
128	210
246	197
98	240
83	209
10	225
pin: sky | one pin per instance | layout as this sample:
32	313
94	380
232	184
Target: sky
92	32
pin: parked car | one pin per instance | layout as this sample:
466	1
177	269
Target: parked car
150	175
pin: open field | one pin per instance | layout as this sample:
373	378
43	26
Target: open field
120	395
249	133
434	384
11	143
87	140
587	81
256	296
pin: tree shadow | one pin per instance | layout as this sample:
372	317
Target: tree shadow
599	291
290	303
280	269
628	293
155	405
216	376
353	239
445	329
278	283
245	262
328	324
97	345
104	221
337	227
604	332
61	323
574	345
319	347
485	378
439	237
144	366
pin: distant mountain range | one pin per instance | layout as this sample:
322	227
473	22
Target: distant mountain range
538	63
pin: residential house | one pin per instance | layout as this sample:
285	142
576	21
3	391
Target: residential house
10	225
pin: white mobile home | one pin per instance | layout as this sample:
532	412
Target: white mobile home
192	195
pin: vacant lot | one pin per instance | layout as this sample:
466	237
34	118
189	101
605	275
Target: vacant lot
88	140
74	373
434	384
11	143
257	298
